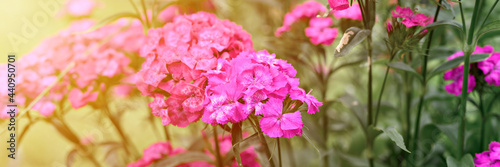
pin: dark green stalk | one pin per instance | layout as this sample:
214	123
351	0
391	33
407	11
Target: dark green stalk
217	148
279	151
483	120
465	84
424	90
463	18
382	90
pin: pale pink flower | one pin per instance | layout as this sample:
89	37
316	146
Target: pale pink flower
80	8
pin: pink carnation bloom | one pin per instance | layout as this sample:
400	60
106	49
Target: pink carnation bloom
409	18
319	31
255	82
277	124
350	13
490	158
338	4
491	68
176	56
456	74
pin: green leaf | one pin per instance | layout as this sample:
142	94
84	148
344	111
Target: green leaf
430	134
404	67
396	138
492	26
352	37
172	161
441	23
451	162
457	61
236	137
113	18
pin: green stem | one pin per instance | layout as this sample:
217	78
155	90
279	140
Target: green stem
382	90
279	151
81	147
465	83
424	90
167	135
463	18
483	121
143	4
127	144
217	148
255	123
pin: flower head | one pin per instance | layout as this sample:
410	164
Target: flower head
176	56
352	12
490	157
409	18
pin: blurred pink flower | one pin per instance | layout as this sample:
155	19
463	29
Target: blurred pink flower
409	18
350	13
319	30
79	8
176	56
490	158
79	99
491	68
338	4
456	74
155	152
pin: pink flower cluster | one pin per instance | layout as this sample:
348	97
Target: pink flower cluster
411	19
98	56
319	30
79	8
337	5
176	56
490	158
490	67
161	150
257	81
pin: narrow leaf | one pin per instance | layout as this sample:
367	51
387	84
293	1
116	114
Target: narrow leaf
492	26
355	106
396	137
441	23
456	62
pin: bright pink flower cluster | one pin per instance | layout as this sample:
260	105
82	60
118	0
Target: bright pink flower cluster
490	158
155	152
98	56
257	81
176	56
319	30
411	19
352	12
490	67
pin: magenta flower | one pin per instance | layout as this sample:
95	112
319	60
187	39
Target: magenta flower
409	18
491	68
176	56
490	158
352	12
338	4
276	124
319	31
456	74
